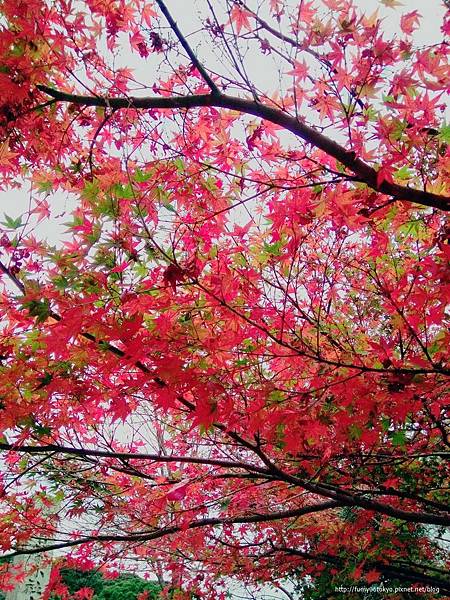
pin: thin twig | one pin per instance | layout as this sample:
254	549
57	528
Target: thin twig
195	61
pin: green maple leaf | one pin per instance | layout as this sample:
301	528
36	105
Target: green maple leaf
11	223
444	134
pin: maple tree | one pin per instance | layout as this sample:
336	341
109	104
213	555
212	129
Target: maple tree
234	362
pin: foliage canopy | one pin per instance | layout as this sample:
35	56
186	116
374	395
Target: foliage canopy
233	362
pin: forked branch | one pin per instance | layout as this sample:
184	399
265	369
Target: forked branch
363	172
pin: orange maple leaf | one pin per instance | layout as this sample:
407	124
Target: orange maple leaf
6	156
240	17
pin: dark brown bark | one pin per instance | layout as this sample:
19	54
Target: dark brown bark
363	172
146	536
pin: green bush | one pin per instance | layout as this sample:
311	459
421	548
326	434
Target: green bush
128	587
75	580
124	587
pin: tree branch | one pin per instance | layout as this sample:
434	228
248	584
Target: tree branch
348	498
154	535
342	496
363	171
200	68
85	452
389	570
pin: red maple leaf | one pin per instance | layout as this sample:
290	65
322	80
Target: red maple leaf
177	493
172	275
372	576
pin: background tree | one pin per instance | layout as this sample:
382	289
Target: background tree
234	362
73	583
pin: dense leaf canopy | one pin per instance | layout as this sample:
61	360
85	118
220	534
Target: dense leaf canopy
229	358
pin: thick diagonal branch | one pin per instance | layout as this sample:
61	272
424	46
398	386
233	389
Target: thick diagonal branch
363	172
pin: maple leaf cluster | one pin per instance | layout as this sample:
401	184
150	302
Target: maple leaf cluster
232	364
